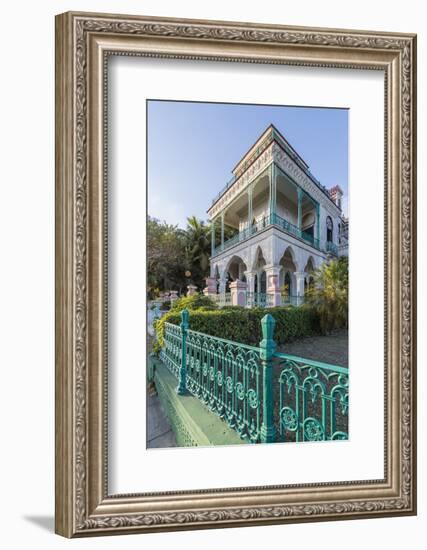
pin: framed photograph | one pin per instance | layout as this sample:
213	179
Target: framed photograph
235	274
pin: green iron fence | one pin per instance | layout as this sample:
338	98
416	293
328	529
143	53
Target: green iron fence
171	353
313	400
264	395
225	376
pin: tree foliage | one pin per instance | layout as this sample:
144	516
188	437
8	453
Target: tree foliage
329	294
177	257
166	253
198	250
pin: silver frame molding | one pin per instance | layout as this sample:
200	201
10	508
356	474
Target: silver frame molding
83	43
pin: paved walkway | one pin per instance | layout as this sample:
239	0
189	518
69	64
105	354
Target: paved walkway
159	431
332	348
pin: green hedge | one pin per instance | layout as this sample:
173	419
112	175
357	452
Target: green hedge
244	325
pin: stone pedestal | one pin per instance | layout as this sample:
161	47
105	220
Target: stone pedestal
173	296
192	290
273	289
210	287
238	293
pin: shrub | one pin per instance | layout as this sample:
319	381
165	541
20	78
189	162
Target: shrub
196	301
244	325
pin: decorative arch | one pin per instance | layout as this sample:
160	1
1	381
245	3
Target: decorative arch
310	265
259	258
235	269
288	266
288	252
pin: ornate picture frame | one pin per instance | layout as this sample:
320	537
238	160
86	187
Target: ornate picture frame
83	43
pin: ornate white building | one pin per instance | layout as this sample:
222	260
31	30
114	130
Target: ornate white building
286	224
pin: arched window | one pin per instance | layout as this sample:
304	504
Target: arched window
329	229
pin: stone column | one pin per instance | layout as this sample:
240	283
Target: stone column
192	290
238	293
273	289
222	286
300	277
250	280
210	287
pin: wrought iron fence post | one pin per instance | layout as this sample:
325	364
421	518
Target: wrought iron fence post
182	385
267	349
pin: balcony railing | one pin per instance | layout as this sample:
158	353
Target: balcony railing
224	189
270	220
332	248
258	299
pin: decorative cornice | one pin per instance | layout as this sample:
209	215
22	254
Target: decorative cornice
243	182
291	168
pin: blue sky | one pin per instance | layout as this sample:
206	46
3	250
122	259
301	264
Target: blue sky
192	148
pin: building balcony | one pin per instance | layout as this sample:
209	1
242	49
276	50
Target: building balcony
271	220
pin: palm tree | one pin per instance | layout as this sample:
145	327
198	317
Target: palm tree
329	294
198	247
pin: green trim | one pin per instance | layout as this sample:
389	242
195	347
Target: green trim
317	221
300	194
267	348
222	229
